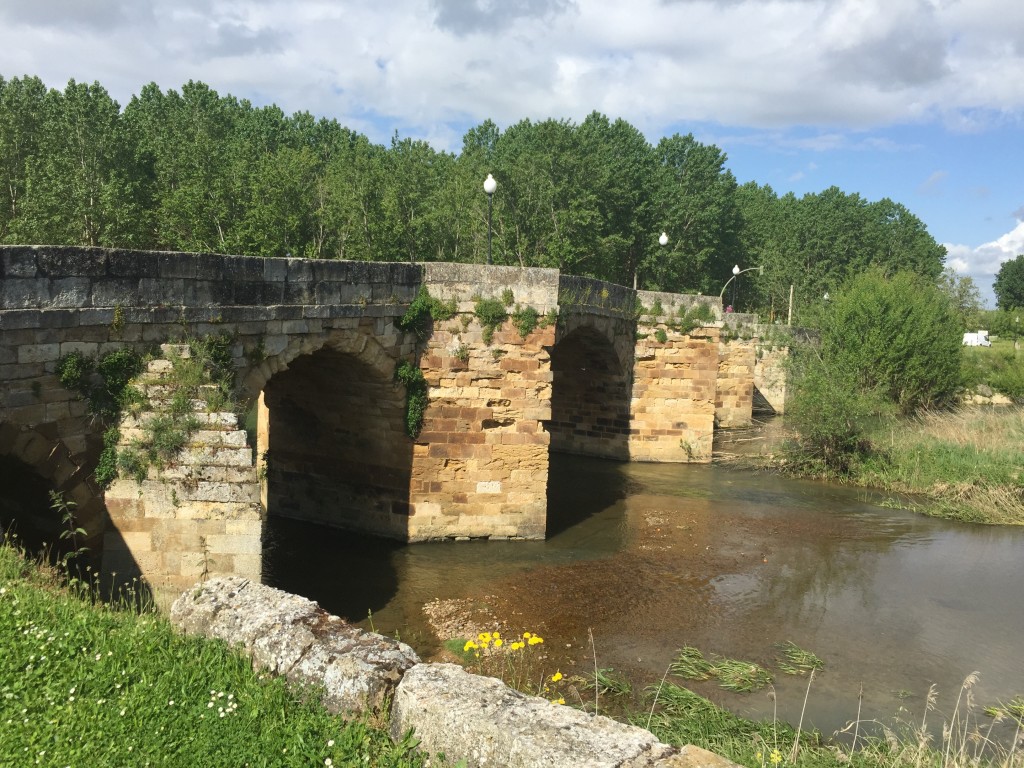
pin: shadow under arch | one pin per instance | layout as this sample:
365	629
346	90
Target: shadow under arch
338	467
34	463
590	400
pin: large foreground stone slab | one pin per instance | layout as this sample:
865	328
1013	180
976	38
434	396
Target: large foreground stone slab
482	720
292	636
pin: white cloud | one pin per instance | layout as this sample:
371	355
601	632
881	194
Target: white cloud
982	262
430	63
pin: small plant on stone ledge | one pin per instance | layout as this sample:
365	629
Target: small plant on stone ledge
424	309
661	336
526	320
491	314
507	297
416	398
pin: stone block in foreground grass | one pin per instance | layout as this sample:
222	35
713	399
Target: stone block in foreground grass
292	636
482	720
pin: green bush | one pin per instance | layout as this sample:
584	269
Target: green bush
525	319
416	398
887	343
895	335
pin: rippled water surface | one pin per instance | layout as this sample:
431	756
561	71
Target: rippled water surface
650	557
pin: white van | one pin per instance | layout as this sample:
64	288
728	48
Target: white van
979	339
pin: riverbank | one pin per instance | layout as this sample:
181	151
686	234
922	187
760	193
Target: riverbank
965	465
84	684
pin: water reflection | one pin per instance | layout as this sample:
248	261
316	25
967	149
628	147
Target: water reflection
651	557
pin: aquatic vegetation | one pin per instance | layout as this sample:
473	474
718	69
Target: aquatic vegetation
733	675
796	661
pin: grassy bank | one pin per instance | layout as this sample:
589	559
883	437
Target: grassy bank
82	684
966	464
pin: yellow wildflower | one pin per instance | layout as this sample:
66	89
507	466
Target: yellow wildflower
526	635
556	677
498	642
775	757
535	640
559	700
470	645
497	635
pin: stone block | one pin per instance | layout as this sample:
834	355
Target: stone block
484	722
234	544
70	292
24	293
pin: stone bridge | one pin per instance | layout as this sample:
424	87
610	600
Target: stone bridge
607	371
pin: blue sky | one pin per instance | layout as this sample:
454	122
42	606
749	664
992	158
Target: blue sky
921	101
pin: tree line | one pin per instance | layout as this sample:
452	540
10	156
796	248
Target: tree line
195	171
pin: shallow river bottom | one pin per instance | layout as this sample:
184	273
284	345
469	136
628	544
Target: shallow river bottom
647	558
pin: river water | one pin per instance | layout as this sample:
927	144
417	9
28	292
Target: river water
647	558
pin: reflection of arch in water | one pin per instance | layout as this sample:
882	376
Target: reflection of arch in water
31	466
331	434
592	382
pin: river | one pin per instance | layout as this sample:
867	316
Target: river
647	558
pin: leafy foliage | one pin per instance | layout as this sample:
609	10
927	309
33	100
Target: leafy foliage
416	398
525	319
1009	284
424	309
886	343
192	170
491	313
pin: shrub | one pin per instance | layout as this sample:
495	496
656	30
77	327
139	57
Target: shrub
525	319
897	335
416	398
886	343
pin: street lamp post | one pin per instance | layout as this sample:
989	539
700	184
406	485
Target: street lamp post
489	186
736	272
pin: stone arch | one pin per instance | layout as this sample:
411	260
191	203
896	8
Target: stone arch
50	466
331	441
592	384
359	339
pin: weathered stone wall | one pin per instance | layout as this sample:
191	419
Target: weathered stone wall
734	393
674	386
479	467
197	516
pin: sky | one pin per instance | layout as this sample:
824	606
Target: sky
920	101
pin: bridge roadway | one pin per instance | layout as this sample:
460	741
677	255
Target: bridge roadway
315	346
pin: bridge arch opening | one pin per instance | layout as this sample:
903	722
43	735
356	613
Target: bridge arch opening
32	467
590	394
332	443
590	399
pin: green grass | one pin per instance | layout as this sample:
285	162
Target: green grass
83	684
967	464
1000	367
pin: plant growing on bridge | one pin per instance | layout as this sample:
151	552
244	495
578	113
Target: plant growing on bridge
491	313
526	320
416	398
422	311
205	376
